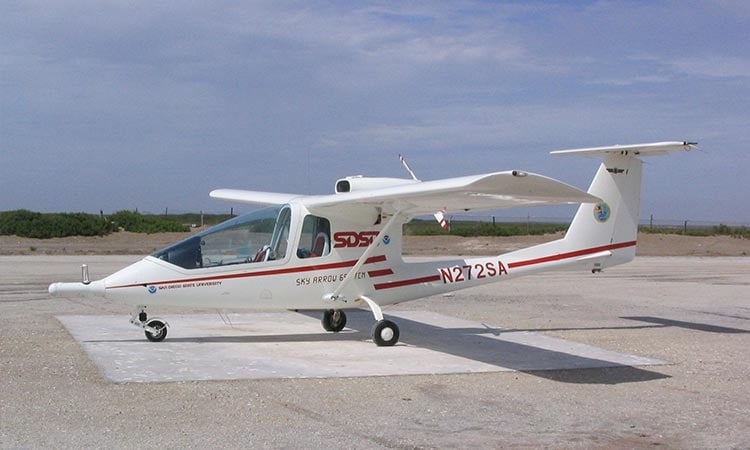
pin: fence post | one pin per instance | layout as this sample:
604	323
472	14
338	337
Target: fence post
528	223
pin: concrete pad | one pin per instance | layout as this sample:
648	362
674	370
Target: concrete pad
291	345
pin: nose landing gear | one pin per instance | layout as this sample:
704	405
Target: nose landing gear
155	329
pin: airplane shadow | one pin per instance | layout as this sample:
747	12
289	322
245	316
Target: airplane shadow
662	322
480	344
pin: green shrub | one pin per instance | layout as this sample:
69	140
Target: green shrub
139	223
44	226
467	228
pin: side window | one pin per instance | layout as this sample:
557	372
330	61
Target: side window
316	237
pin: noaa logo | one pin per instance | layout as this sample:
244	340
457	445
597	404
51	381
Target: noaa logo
386	239
601	212
152	289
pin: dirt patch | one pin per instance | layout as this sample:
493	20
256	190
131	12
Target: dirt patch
125	243
122	243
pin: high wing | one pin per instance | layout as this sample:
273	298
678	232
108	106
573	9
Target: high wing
253	197
478	192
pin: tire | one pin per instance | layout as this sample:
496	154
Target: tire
385	333
159	325
333	320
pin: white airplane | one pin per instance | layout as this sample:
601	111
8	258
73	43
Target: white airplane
343	251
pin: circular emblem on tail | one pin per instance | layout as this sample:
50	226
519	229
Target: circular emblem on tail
601	212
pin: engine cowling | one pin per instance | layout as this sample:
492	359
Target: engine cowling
361	183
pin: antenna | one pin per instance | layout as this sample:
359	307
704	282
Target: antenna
85	274
408	169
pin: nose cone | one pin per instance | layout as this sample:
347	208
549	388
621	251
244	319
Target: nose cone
93	289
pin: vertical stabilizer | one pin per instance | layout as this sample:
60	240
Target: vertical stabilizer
602	234
613	222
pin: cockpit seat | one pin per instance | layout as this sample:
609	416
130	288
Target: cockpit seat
321	246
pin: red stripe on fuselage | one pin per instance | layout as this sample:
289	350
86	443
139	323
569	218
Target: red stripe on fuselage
379	273
574	254
528	262
339	265
395	284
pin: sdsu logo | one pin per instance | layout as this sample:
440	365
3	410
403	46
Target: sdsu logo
351	239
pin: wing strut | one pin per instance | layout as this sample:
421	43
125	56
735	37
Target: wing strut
365	256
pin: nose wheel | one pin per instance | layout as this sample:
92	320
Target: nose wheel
159	333
155	329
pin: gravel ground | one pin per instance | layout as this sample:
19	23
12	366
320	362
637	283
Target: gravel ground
693	312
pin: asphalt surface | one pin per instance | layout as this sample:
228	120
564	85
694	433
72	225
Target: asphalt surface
691	312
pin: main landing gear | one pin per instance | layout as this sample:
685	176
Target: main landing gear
155	329
333	320
385	333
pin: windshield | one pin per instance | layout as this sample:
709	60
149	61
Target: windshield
255	237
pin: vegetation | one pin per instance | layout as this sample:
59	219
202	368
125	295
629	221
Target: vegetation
717	230
140	223
468	228
37	225
44	226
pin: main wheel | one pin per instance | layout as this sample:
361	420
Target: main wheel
333	320
161	328
385	333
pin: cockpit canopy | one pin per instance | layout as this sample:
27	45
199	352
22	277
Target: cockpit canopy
258	236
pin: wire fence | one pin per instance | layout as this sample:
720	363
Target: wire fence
530	224
530	221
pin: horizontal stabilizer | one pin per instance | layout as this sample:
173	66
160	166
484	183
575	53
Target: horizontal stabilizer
652	149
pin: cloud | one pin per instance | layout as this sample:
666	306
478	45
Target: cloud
164	101
714	66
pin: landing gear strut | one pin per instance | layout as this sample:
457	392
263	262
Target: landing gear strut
333	320
384	333
155	329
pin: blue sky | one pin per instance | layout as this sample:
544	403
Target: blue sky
150	105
